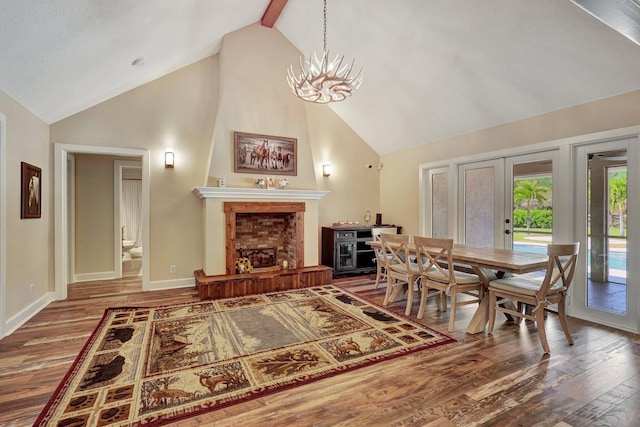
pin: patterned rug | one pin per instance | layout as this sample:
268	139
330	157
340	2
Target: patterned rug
152	366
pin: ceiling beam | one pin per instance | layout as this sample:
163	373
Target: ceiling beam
272	13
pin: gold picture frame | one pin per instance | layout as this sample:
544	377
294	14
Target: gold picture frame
264	154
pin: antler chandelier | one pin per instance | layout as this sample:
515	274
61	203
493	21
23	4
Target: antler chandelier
323	81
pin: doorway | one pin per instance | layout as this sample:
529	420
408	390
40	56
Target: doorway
62	244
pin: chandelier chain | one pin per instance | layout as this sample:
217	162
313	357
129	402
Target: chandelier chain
323	80
325	25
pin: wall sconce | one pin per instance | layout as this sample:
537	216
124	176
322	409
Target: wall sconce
168	158
326	169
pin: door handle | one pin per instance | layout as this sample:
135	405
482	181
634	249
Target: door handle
507	231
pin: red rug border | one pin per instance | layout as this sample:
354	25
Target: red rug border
271	390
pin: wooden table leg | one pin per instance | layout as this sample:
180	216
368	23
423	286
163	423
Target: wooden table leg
480	318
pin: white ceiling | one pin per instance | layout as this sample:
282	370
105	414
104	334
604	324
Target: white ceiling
432	68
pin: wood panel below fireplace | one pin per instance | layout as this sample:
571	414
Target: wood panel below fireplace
235	285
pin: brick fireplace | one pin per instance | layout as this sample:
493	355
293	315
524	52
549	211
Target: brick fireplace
222	206
264	230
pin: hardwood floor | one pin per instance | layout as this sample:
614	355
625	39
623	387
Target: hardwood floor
499	380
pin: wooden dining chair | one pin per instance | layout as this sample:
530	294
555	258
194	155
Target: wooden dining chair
527	291
381	258
438	273
401	272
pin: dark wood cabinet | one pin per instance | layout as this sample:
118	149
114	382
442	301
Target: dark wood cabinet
344	249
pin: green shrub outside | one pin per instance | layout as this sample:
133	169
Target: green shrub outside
539	218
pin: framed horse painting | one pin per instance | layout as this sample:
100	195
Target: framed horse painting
264	154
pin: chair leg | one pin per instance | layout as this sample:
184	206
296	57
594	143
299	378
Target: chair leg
452	316
541	331
492	309
378	273
407	311
387	295
424	293
444	301
563	320
520	309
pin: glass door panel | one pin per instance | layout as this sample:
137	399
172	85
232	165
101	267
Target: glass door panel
602	291
481	195
346	256
606	230
529	204
439	204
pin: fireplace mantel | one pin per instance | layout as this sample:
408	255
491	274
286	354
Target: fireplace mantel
214	220
257	193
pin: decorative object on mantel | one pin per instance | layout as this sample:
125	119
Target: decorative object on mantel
266	154
321	81
339	223
271	183
261	183
222	182
283	183
31	191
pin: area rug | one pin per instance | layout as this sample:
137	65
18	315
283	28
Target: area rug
152	366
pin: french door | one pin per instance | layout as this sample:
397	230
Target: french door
481	190
507	202
605	288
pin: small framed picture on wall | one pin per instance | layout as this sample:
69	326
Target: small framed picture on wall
31	191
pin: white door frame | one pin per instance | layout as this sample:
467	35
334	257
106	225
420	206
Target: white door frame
60	208
118	167
71	217
3	225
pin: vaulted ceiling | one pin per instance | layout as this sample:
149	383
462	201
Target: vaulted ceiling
432	68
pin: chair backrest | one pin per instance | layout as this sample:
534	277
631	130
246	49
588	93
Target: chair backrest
395	249
377	231
561	266
435	255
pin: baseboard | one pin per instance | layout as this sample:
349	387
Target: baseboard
170	284
88	277
27	313
34	308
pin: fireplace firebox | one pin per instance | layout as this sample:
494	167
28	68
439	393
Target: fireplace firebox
256	228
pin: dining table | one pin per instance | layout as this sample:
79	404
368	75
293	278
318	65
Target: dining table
489	264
